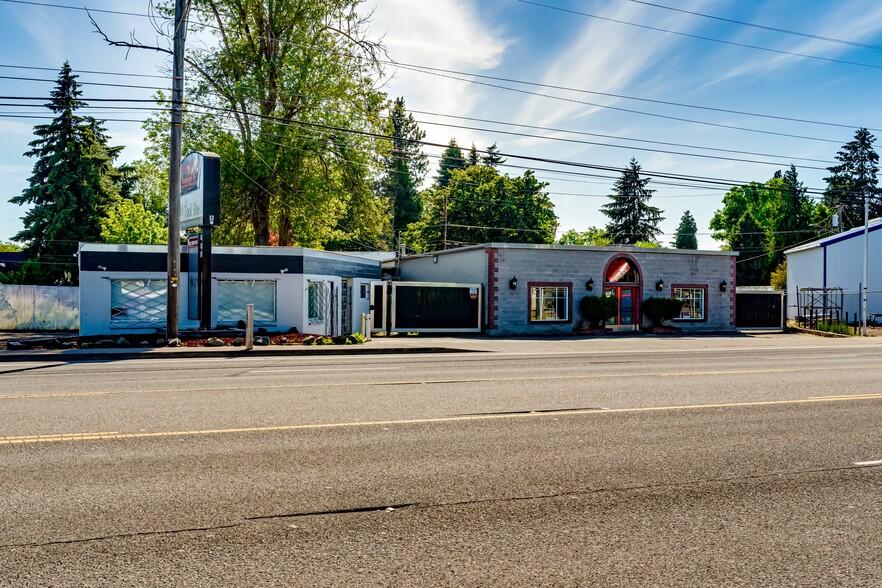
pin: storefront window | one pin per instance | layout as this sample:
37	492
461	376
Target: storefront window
549	303
693	302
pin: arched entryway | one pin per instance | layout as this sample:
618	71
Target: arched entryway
623	279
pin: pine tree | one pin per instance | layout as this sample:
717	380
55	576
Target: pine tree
631	218
404	167
685	237
473	156
71	187
854	179
492	157
451	159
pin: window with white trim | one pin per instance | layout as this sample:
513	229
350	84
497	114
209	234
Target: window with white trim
693	303
549	303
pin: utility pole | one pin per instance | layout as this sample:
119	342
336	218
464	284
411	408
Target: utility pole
866	262
174	176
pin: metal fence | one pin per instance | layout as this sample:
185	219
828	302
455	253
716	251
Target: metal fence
39	308
837	304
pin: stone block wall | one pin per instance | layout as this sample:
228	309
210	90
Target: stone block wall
508	310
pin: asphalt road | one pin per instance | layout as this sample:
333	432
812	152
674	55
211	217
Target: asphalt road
701	464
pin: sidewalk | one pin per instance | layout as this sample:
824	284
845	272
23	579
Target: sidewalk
611	345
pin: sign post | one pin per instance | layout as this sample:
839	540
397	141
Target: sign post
200	207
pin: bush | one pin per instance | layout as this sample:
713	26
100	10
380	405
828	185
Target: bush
659	310
597	309
355	339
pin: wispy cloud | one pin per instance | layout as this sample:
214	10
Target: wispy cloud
447	34
606	57
856	21
45	30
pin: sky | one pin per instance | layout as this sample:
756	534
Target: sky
570	88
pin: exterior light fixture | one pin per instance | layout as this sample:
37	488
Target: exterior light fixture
589	285
660	285
513	283
434	259
723	286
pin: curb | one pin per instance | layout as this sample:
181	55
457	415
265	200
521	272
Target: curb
183	353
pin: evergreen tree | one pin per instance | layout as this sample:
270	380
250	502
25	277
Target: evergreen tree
404	167
473	156
751	268
72	185
854	179
492	157
451	159
631	218
685	237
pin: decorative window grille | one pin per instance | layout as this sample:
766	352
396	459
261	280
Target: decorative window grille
138	304
234	295
317	300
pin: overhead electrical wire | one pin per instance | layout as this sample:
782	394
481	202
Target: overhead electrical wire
698	37
762	27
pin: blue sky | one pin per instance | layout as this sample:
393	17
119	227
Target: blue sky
529	43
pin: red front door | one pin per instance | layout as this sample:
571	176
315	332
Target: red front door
627	297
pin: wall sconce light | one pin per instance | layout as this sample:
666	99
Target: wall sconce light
589	285
723	286
660	285
513	283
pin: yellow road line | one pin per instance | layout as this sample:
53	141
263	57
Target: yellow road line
848	396
430	420
54	395
581	376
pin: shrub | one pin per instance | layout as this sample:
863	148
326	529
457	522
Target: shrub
596	309
324	341
659	310
355	339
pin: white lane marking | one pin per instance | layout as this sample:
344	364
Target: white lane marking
306	369
868	463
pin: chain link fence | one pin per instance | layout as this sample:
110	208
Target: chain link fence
39	308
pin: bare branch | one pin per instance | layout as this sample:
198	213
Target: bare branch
129	45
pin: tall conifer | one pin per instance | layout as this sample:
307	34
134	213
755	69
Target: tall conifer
631	217
72	185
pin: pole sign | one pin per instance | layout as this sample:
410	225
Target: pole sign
200	190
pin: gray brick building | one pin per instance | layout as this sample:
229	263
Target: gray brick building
535	289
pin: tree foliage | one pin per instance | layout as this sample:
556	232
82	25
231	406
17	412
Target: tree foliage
73	184
483	206
130	222
404	167
854	180
292	88
592	236
631	217
451	159
781	216
686	235
492	158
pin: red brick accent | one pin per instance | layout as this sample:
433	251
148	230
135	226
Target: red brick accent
732	286
492	278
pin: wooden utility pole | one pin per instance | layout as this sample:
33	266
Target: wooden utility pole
445	220
174	176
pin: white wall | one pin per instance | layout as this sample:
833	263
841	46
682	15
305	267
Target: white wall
805	269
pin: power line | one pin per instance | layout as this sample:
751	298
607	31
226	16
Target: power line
763	27
699	37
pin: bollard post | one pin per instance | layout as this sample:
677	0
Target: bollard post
249	327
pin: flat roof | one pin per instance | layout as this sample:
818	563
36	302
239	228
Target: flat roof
232	250
604	248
